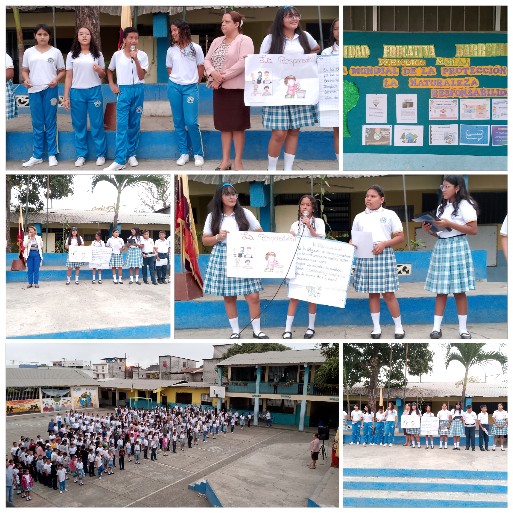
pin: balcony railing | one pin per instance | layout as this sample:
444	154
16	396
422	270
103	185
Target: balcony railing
282	388
328	390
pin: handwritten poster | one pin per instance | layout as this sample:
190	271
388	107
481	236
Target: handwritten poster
376	108
408	135
410	421
443	135
443	109
377	135
325	282
100	257
429	426
328	68
281	79
260	255
406	108
499	109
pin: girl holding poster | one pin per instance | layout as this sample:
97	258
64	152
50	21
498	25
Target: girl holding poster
307	225
287	37
378	275
456	426
333	50
74	239
116	259
451	270
429	413
97	243
227	215
414	432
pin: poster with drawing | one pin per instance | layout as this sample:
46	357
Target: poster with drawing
277	79
260	255
408	135
326	282
328	67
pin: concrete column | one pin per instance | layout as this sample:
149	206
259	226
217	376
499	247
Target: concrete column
219	376
257	393
303	401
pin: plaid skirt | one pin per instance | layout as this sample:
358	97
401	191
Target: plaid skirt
116	260
457	428
443	428
218	284
287	117
413	431
499	428
376	275
11	108
451	269
134	258
74	265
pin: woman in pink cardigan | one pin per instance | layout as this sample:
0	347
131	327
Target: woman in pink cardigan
224	66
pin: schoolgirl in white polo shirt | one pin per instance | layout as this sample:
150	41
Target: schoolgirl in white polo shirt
42	68
97	243
131	66
451	270
116	259
378	275
85	69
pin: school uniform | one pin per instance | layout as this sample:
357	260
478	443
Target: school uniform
301	230
217	283
86	98
457	428
332	50
443	422
116	259
378	274
483	425
390	418
43	68
33	254
499	427
149	260
134	257
469	421
74	265
162	252
451	270
379	428
413	431
130	103
183	95
11	108
368	437
356	418
287	117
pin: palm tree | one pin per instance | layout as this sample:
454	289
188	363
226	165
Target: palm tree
122	182
469	355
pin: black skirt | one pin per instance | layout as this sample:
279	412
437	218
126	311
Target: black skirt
230	113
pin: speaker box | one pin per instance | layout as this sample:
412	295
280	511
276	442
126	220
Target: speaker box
324	433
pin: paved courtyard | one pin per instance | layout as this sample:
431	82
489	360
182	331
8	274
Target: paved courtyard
260	466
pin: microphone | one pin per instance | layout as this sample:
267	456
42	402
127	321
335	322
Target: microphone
305	213
132	49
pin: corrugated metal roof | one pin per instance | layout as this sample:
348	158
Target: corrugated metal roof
148	384
290	357
48	377
440	390
241	178
94	216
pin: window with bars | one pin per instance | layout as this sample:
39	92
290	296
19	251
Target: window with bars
22	393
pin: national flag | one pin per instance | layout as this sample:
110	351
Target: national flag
184	226
20	237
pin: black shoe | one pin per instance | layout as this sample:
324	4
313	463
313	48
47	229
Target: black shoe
138	282
465	335
154	283
481	449
466	448
235	336
473	448
400	335
375	335
309	333
146	281
261	335
435	334
454	448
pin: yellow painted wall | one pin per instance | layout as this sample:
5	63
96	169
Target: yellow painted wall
171	392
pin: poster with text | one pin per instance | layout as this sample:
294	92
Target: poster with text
328	68
499	109
79	253
443	135
474	135
377	135
410	421
429	426
443	109
281	79
376	108
408	135
471	109
499	135
260	255
100	257
406	108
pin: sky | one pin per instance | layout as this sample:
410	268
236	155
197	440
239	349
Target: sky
137	353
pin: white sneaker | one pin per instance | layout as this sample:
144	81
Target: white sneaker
198	160
364	444
351	443
80	162
389	445
357	443
32	161
115	167
100	161
184	158
52	161
133	161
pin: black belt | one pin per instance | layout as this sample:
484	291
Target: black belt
470	425
453	237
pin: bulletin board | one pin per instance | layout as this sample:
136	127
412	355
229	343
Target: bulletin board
425	93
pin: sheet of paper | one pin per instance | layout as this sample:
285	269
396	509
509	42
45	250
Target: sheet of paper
363	243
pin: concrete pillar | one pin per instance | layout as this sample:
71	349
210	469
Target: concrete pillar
219	376
257	393
303	401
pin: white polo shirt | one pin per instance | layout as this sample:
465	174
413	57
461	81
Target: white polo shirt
500	415
116	243
483	418
148	246
390	415
332	50
382	223
380	417
356	416
162	245
291	45
466	214
299	228
43	67
443	414
229	223
184	63
126	70
84	76
8	62
469	418
455	414
368	417
428	414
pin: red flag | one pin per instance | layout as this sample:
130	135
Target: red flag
20	237
184	225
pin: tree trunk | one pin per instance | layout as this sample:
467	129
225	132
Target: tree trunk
464	391
116	209
373	378
19	39
8	192
89	17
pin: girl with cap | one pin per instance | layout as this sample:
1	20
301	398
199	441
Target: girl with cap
74	239
227	215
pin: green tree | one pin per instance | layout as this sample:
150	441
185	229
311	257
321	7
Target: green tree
469	355
383	365
256	347
122	182
30	191
328	372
